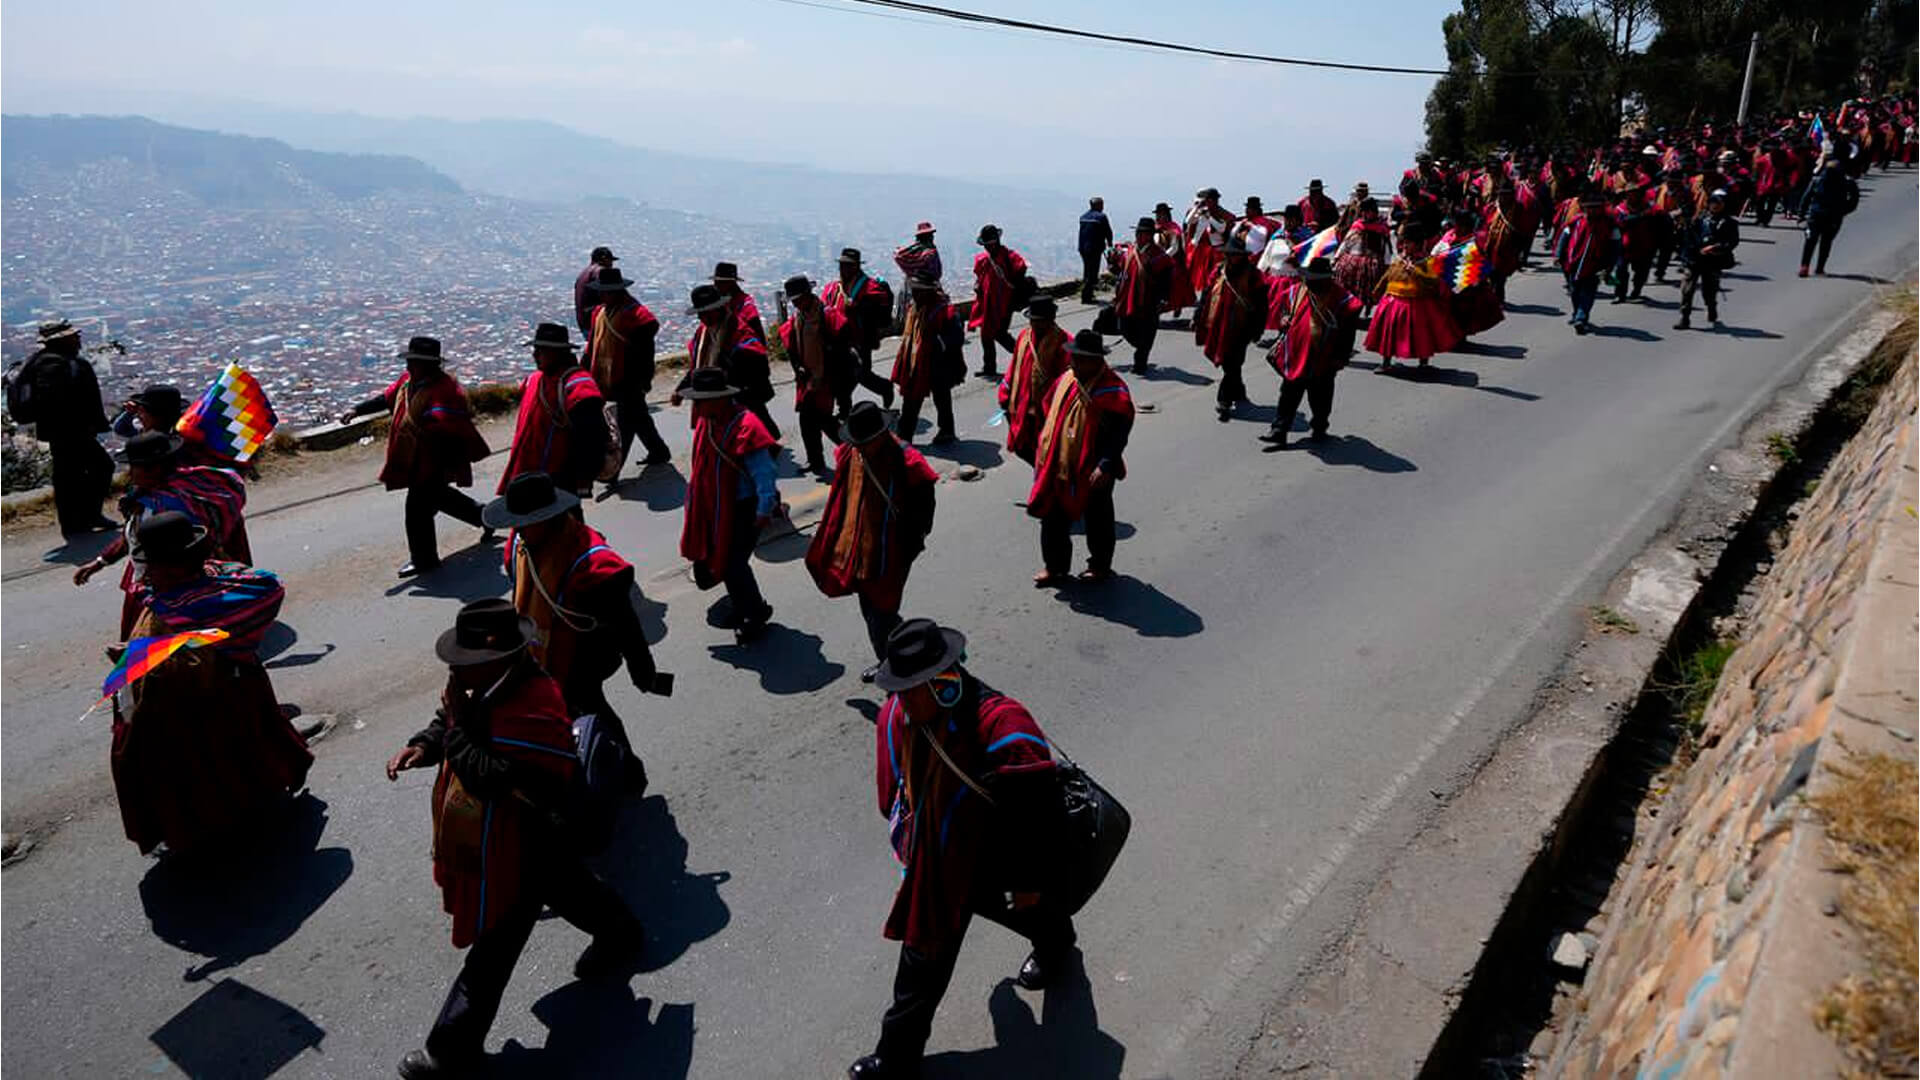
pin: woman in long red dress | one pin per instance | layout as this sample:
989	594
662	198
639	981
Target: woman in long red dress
1412	321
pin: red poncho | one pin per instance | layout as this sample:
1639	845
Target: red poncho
863	544
1315	330
1173	240
1067	454
1023	389
431	439
576	561
543	434
993	280
1230	314
1142	278
720	448
806	339
916	364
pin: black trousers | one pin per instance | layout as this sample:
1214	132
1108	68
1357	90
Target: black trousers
942	409
1317	388
880	623
636	421
1056	535
1763	209
557	880
1089	275
1624	268
1820	235
82	473
423	502
876	385
988	339
814	423
742	587
921	979
1139	332
1231	388
1707	280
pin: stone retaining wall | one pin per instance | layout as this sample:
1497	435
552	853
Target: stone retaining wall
1722	936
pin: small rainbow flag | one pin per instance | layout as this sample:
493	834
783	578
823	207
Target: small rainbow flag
233	418
1322	246
145	654
1460	267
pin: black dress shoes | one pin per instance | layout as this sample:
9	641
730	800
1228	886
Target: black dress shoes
875	1067
423	1065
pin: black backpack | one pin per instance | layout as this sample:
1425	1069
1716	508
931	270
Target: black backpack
22	402
600	785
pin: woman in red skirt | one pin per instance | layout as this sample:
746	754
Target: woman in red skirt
1362	256
1412	321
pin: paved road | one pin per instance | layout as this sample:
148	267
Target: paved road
1305	652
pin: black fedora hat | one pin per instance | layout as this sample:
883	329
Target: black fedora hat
865	422
1162	208
57	329
797	286
153	447
422	348
603	252
1145	224
1254	203
705	383
160	398
1207	193
609	279
917	650
705	298
1088	343
530	497
168	537
549	335
484	631
1042	307
726	271
1317	269
850	255
988	234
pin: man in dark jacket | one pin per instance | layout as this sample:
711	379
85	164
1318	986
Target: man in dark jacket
954	759
504	747
1830	198
68	416
620	353
1707	247
1096	236
584	298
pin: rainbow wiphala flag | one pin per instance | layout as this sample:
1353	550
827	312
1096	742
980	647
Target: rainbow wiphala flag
1460	267
233	418
145	654
1322	246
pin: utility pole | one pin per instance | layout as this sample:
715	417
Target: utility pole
1746	84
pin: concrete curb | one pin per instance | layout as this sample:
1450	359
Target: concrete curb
1385	1000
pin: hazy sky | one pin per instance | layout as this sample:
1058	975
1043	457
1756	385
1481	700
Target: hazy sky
787	80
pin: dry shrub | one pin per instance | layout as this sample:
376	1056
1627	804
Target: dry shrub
492	399
1872	815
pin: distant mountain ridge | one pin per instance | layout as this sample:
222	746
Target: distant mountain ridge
218	170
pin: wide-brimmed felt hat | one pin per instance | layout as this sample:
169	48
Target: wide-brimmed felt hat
865	422
705	384
160	398
422	348
1316	184
484	631
1207	193
530	498
850	255
924	228
917	650
1317	269
705	298
609	279
1254	203
726	271
167	537
1042	307
988	234
1236	245
549	335
57	329
797	286
1162	208
153	447
603	252
1088	343
1717	195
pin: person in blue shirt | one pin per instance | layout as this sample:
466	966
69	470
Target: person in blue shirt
1096	236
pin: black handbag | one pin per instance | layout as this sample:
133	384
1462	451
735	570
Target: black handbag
1094	827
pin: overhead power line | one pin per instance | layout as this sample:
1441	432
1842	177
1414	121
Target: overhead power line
1139	42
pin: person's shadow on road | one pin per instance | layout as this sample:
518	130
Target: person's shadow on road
1131	602
473	573
647	866
1358	450
601	1029
982	454
788	661
233	907
1064	1043
234	1032
658	487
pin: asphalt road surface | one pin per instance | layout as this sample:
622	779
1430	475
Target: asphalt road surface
1304	653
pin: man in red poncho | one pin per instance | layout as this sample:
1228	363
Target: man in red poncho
1143	279
1586	250
1319	211
1231	312
1039	357
953	756
562	426
1173	241
505	751
1080	457
998	276
1637	223
730	497
928	361
1207	225
1317	323
878	515
867	305
431	447
621	338
818	342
